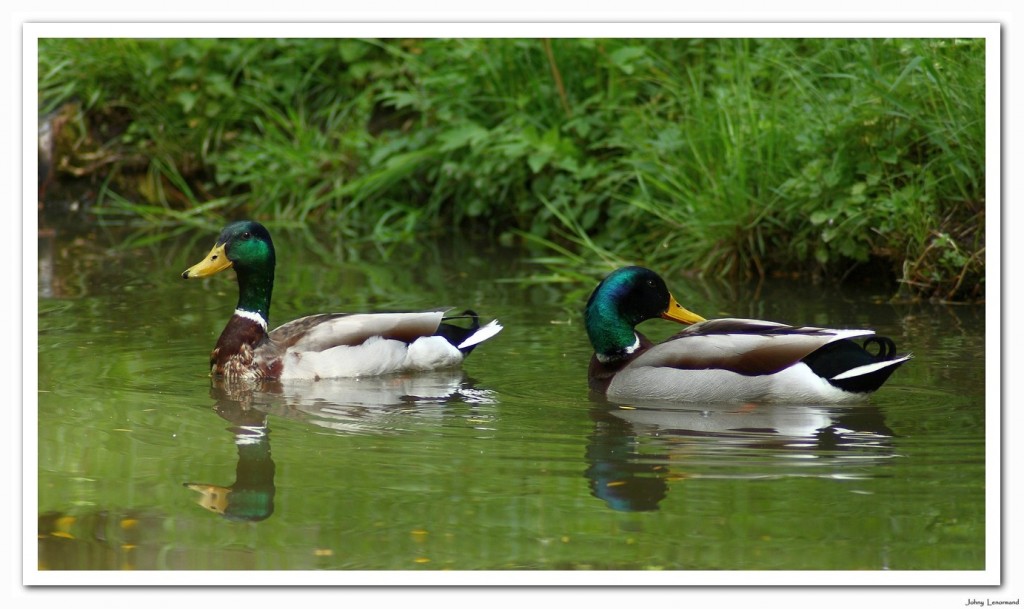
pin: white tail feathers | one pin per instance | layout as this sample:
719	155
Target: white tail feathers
869	368
481	335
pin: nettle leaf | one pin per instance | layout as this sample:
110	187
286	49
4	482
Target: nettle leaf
402	99
352	50
212	109
184	73
538	160
467	134
831	176
152	63
820	217
187	100
890	156
476	208
219	85
567	163
626	57
854	249
547	146
821	254
581	126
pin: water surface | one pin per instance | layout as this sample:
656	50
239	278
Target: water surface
143	463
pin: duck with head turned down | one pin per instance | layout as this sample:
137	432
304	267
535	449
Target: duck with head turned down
722	360
330	345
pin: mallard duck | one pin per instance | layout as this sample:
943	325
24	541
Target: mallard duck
722	360
331	345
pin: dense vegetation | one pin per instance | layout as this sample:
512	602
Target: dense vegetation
720	156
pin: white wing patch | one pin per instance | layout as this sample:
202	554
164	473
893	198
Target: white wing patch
374	357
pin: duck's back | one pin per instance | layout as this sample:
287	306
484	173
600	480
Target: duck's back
324	331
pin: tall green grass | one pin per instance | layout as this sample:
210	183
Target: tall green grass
732	157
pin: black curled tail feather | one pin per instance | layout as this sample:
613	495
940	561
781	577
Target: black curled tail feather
840	356
457	334
886	347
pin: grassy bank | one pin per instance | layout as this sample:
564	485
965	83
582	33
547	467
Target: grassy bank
731	157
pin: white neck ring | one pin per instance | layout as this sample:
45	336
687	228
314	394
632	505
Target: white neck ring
251	316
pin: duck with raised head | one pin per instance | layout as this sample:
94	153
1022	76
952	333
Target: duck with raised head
329	345
722	360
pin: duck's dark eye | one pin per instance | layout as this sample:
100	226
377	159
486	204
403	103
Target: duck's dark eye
246	235
650	283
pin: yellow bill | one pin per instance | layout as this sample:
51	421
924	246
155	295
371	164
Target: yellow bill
676	312
212	497
215	262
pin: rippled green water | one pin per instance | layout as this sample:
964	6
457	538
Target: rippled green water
507	464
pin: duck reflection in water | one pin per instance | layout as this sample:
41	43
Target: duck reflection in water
251	497
636	452
371	405
619	475
368	405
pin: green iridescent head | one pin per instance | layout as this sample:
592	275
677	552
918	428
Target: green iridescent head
247	247
626	297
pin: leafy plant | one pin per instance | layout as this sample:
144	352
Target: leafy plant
731	157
